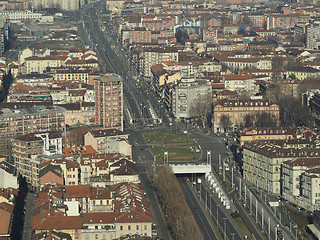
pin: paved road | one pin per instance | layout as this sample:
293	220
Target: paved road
27	228
198	212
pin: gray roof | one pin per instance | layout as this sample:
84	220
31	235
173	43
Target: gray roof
110	77
7	112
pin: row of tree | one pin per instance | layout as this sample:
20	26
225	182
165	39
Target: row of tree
178	216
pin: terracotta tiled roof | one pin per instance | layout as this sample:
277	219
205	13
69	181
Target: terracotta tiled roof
79	191
59	222
82	150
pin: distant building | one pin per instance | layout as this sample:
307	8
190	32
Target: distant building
109	141
66	5
236	110
26	149
262	160
29	119
8	175
313	35
109	101
184	93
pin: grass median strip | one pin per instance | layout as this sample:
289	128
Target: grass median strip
179	147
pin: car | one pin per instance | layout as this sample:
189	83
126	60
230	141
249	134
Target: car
194	208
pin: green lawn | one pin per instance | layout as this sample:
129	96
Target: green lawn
179	148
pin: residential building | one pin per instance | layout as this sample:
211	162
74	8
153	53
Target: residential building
236	110
66	5
109	141
109	101
184	94
29	119
262	160
72	75
124	171
70	169
19	15
303	73
155	55
50	173
266	133
310	189
33	80
313	35
43	64
292	171
6	220
26	149
8	175
241	83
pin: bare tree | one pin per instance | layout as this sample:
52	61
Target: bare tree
178	215
248	120
293	113
75	137
202	108
225	122
264	120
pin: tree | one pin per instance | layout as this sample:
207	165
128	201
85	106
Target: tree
308	85
202	108
277	62
181	36
264	120
293	113
169	193
248	120
75	137
245	20
225	122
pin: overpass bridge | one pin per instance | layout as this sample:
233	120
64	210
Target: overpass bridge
190	168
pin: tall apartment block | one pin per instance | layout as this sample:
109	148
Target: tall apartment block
26	149
17	122
109	101
313	35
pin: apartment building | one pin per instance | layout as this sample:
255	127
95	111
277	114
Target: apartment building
109	141
33	80
292	171
155	55
26	149
262	160
70	169
313	35
109	101
136	35
43	64
303	73
266	133
72	75
184	94
236	110
16	122
129	213
310	190
241	83
19	15
65	5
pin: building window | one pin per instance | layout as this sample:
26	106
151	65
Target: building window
121	228
145	227
129	227
137	227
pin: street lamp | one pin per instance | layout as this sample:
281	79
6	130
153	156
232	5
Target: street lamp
276	231
232	234
225	228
